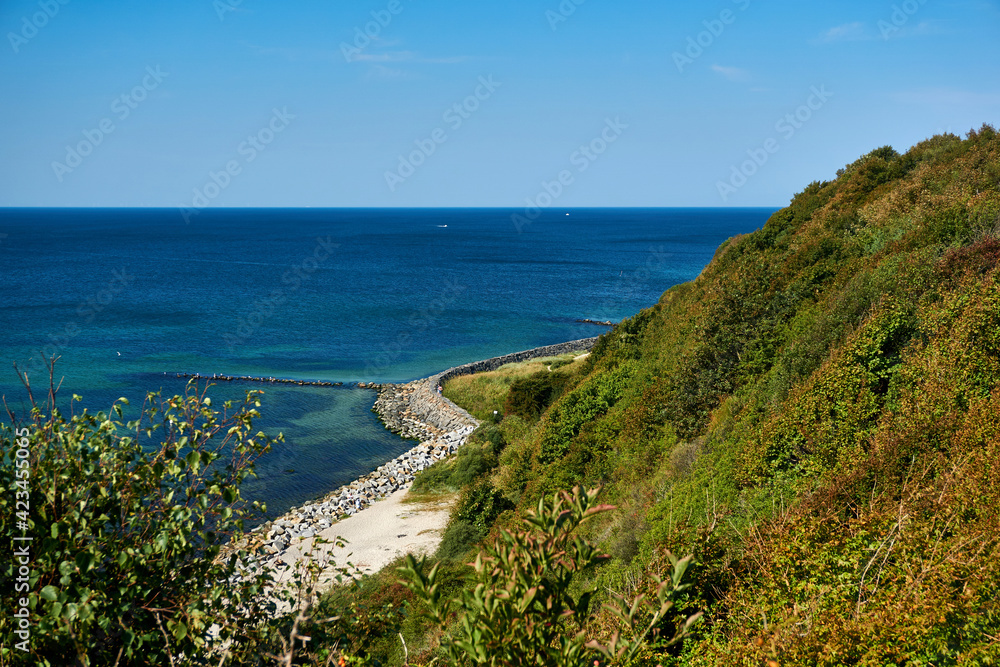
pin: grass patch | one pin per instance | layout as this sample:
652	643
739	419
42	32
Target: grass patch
482	393
429	500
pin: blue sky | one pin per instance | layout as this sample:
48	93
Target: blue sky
625	103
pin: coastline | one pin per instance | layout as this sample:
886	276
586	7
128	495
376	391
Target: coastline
411	410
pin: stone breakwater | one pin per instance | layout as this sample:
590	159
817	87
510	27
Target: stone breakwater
270	380
413	410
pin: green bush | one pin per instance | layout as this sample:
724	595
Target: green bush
473	461
529	397
435	479
478	456
360	617
128	521
520	608
480	505
458	540
592	398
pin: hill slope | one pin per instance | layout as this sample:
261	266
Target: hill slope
816	417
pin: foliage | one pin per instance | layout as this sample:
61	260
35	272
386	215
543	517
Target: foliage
519	608
449	475
459	538
360	618
480	505
128	521
529	397
592	398
479	456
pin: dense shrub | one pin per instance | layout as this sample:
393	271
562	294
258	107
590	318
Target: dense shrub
478	457
458	539
977	259
480	505
592	398
519	607
128	521
529	397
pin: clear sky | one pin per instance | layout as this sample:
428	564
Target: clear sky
594	102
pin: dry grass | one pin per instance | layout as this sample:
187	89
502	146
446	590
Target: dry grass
431	501
482	393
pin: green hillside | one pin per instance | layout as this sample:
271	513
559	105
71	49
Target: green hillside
816	417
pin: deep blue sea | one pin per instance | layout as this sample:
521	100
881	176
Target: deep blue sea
129	297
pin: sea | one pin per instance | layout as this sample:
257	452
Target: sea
128	298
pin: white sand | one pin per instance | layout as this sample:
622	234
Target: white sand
375	537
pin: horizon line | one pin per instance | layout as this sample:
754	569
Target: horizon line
377	208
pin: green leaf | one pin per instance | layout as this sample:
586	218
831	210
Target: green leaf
180	630
84	560
50	593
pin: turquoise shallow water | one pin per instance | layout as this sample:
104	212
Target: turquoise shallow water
129	297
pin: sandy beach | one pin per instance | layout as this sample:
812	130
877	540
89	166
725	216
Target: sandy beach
375	536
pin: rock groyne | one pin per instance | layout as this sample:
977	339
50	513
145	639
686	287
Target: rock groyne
269	380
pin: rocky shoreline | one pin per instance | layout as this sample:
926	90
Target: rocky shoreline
413	410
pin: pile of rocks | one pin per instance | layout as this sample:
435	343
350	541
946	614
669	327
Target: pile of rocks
404	409
417	411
